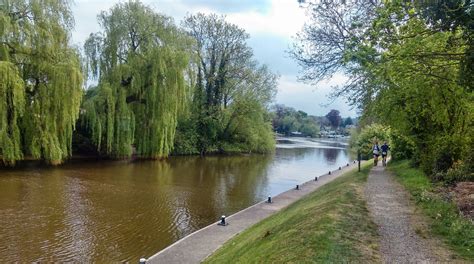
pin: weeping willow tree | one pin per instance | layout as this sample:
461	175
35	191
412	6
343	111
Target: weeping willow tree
12	105
140	59
41	80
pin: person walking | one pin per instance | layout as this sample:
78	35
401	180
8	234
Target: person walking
385	149
376	151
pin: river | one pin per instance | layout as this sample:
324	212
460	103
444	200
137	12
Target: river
121	211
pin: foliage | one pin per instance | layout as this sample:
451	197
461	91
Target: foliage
462	170
186	138
406	63
446	221
12	105
197	88
140	59
287	120
41	85
249	127
421	103
347	122
445	151
334	118
309	128
232	91
368	136
450	16
401	146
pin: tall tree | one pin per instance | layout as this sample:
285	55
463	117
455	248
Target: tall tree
406	62
451	16
140	59
323	44
222	55
230	85
334	118
41	80
348	121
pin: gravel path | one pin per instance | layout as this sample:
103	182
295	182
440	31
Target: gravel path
400	229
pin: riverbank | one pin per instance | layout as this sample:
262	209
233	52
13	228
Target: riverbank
329	225
341	223
281	142
140	207
197	246
442	215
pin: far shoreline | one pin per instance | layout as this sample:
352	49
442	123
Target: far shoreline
30	162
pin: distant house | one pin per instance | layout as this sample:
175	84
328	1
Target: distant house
296	133
331	134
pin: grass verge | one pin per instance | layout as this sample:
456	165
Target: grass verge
446	222
331	224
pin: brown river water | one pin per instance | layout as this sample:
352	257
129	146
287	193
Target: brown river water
121	211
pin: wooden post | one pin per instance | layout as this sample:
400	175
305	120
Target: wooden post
358	157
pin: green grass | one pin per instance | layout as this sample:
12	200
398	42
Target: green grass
445	222
331	224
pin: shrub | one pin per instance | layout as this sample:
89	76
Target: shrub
461	170
440	153
186	138
401	146
367	137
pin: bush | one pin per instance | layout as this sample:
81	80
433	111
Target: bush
248	129
440	153
309	129
252	135
461	170
83	145
367	137
401	146
186	138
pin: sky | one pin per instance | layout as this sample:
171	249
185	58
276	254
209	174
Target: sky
272	25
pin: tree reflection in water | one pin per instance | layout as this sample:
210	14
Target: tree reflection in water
121	211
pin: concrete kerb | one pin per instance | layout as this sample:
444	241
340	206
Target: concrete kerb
213	236
200	230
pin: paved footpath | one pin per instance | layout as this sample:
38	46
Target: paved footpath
195	247
392	211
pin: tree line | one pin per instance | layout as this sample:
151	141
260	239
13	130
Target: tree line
286	120
162	88
411	69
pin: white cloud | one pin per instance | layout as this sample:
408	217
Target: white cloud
271	28
311	99
284	19
86	11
